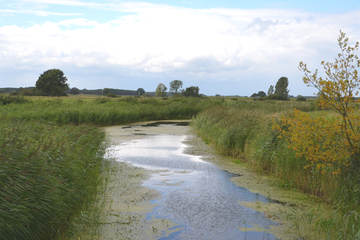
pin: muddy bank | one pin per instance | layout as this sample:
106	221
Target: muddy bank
129	202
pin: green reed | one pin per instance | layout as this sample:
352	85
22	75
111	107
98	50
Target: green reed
47	174
103	111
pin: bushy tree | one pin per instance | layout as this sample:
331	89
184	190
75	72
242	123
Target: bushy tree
140	91
261	94
191	92
175	85
300	98
161	90
281	87
106	91
75	91
331	141
52	83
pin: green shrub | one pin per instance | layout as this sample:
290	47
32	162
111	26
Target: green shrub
7	99
112	95
276	97
301	99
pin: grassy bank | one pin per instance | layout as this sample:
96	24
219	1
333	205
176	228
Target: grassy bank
245	132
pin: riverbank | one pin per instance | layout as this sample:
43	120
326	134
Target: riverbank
247	135
297	213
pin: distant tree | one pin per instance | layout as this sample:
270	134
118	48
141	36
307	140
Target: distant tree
175	85
140	91
161	90
75	91
261	94
52	83
281	87
106	91
271	90
191	92
300	98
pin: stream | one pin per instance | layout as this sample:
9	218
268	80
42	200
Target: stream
196	199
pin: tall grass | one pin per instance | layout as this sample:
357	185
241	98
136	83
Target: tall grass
48	173
104	111
244	129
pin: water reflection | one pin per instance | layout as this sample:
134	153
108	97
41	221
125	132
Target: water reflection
196	195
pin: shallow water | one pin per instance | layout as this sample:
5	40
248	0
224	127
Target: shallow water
195	195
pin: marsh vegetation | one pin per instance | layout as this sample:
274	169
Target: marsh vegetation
53	167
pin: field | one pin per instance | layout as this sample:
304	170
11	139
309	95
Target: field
52	156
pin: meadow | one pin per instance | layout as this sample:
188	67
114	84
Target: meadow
53	166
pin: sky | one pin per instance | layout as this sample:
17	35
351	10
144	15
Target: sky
224	47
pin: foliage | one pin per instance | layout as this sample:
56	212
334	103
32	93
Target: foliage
160	90
140	91
112	95
75	91
30	92
330	143
52	83
47	174
175	85
281	87
277	97
259	94
301	98
191	92
106	91
330	139
7	99
271	90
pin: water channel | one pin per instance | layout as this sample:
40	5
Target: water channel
196	199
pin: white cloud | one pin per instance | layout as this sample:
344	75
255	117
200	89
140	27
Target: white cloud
207	44
38	13
82	22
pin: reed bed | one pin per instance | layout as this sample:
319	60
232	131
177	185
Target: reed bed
48	174
104	111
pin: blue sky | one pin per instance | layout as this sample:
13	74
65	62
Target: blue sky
224	47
